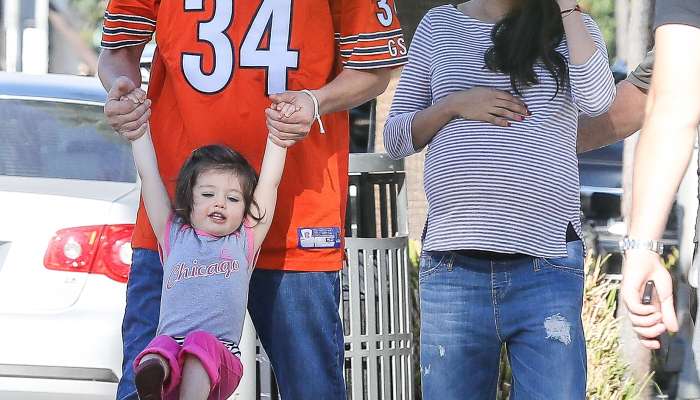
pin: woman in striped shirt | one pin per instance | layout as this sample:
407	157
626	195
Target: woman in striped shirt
494	89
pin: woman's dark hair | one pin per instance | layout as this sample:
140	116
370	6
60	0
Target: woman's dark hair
214	157
530	33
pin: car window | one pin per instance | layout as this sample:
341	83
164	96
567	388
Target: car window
61	140
602	167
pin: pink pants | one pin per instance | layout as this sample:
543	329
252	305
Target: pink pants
224	369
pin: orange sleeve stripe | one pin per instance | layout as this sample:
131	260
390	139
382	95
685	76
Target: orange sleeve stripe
387	63
372	50
123	30
368	36
129	18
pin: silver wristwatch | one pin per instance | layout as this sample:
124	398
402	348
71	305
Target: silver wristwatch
628	243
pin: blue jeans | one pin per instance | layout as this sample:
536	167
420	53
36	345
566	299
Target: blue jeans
141	314
295	315
470	307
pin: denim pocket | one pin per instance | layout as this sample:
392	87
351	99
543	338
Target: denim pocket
432	261
572	263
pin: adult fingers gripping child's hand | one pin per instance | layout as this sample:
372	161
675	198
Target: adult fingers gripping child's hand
295	126
137	96
287	109
127	110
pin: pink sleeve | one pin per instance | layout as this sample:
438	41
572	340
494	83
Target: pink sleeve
250	242
166	240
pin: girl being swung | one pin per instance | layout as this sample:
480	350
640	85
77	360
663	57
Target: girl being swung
208	241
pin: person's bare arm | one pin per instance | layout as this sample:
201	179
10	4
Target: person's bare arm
625	116
155	196
662	156
122	62
120	74
666	142
265	194
351	88
579	41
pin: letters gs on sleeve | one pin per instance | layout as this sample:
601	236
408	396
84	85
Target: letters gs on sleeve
397	47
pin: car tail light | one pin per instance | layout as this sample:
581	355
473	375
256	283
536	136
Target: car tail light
98	249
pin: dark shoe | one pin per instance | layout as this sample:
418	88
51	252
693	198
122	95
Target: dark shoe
149	379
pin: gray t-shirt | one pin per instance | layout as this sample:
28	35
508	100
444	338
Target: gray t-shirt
684	12
205	282
641	76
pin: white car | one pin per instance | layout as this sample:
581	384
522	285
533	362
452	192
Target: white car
68	198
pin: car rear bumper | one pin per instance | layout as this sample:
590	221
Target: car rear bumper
28	388
73	353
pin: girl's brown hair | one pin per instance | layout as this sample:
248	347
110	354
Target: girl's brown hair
213	157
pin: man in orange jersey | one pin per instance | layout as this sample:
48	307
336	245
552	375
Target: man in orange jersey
218	67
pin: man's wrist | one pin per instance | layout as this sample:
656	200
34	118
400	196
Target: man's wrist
317	107
320	96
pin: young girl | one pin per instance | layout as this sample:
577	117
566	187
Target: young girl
495	88
209	241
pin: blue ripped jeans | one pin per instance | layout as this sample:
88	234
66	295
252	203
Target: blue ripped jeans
470	307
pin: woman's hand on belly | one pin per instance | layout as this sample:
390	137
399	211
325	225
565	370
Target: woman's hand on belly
486	104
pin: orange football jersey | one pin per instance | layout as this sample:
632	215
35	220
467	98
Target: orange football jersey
215	66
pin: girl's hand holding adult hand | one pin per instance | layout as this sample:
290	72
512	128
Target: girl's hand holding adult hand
489	105
284	126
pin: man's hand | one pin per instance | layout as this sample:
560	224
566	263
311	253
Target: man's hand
489	105
286	130
648	321
127	109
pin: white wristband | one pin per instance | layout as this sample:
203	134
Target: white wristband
317	116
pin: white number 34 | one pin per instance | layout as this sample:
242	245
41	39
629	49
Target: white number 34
276	59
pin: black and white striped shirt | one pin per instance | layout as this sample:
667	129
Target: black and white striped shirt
503	189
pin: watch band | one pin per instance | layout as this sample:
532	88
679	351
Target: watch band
628	243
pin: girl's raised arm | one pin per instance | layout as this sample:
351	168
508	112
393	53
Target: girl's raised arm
155	196
265	194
